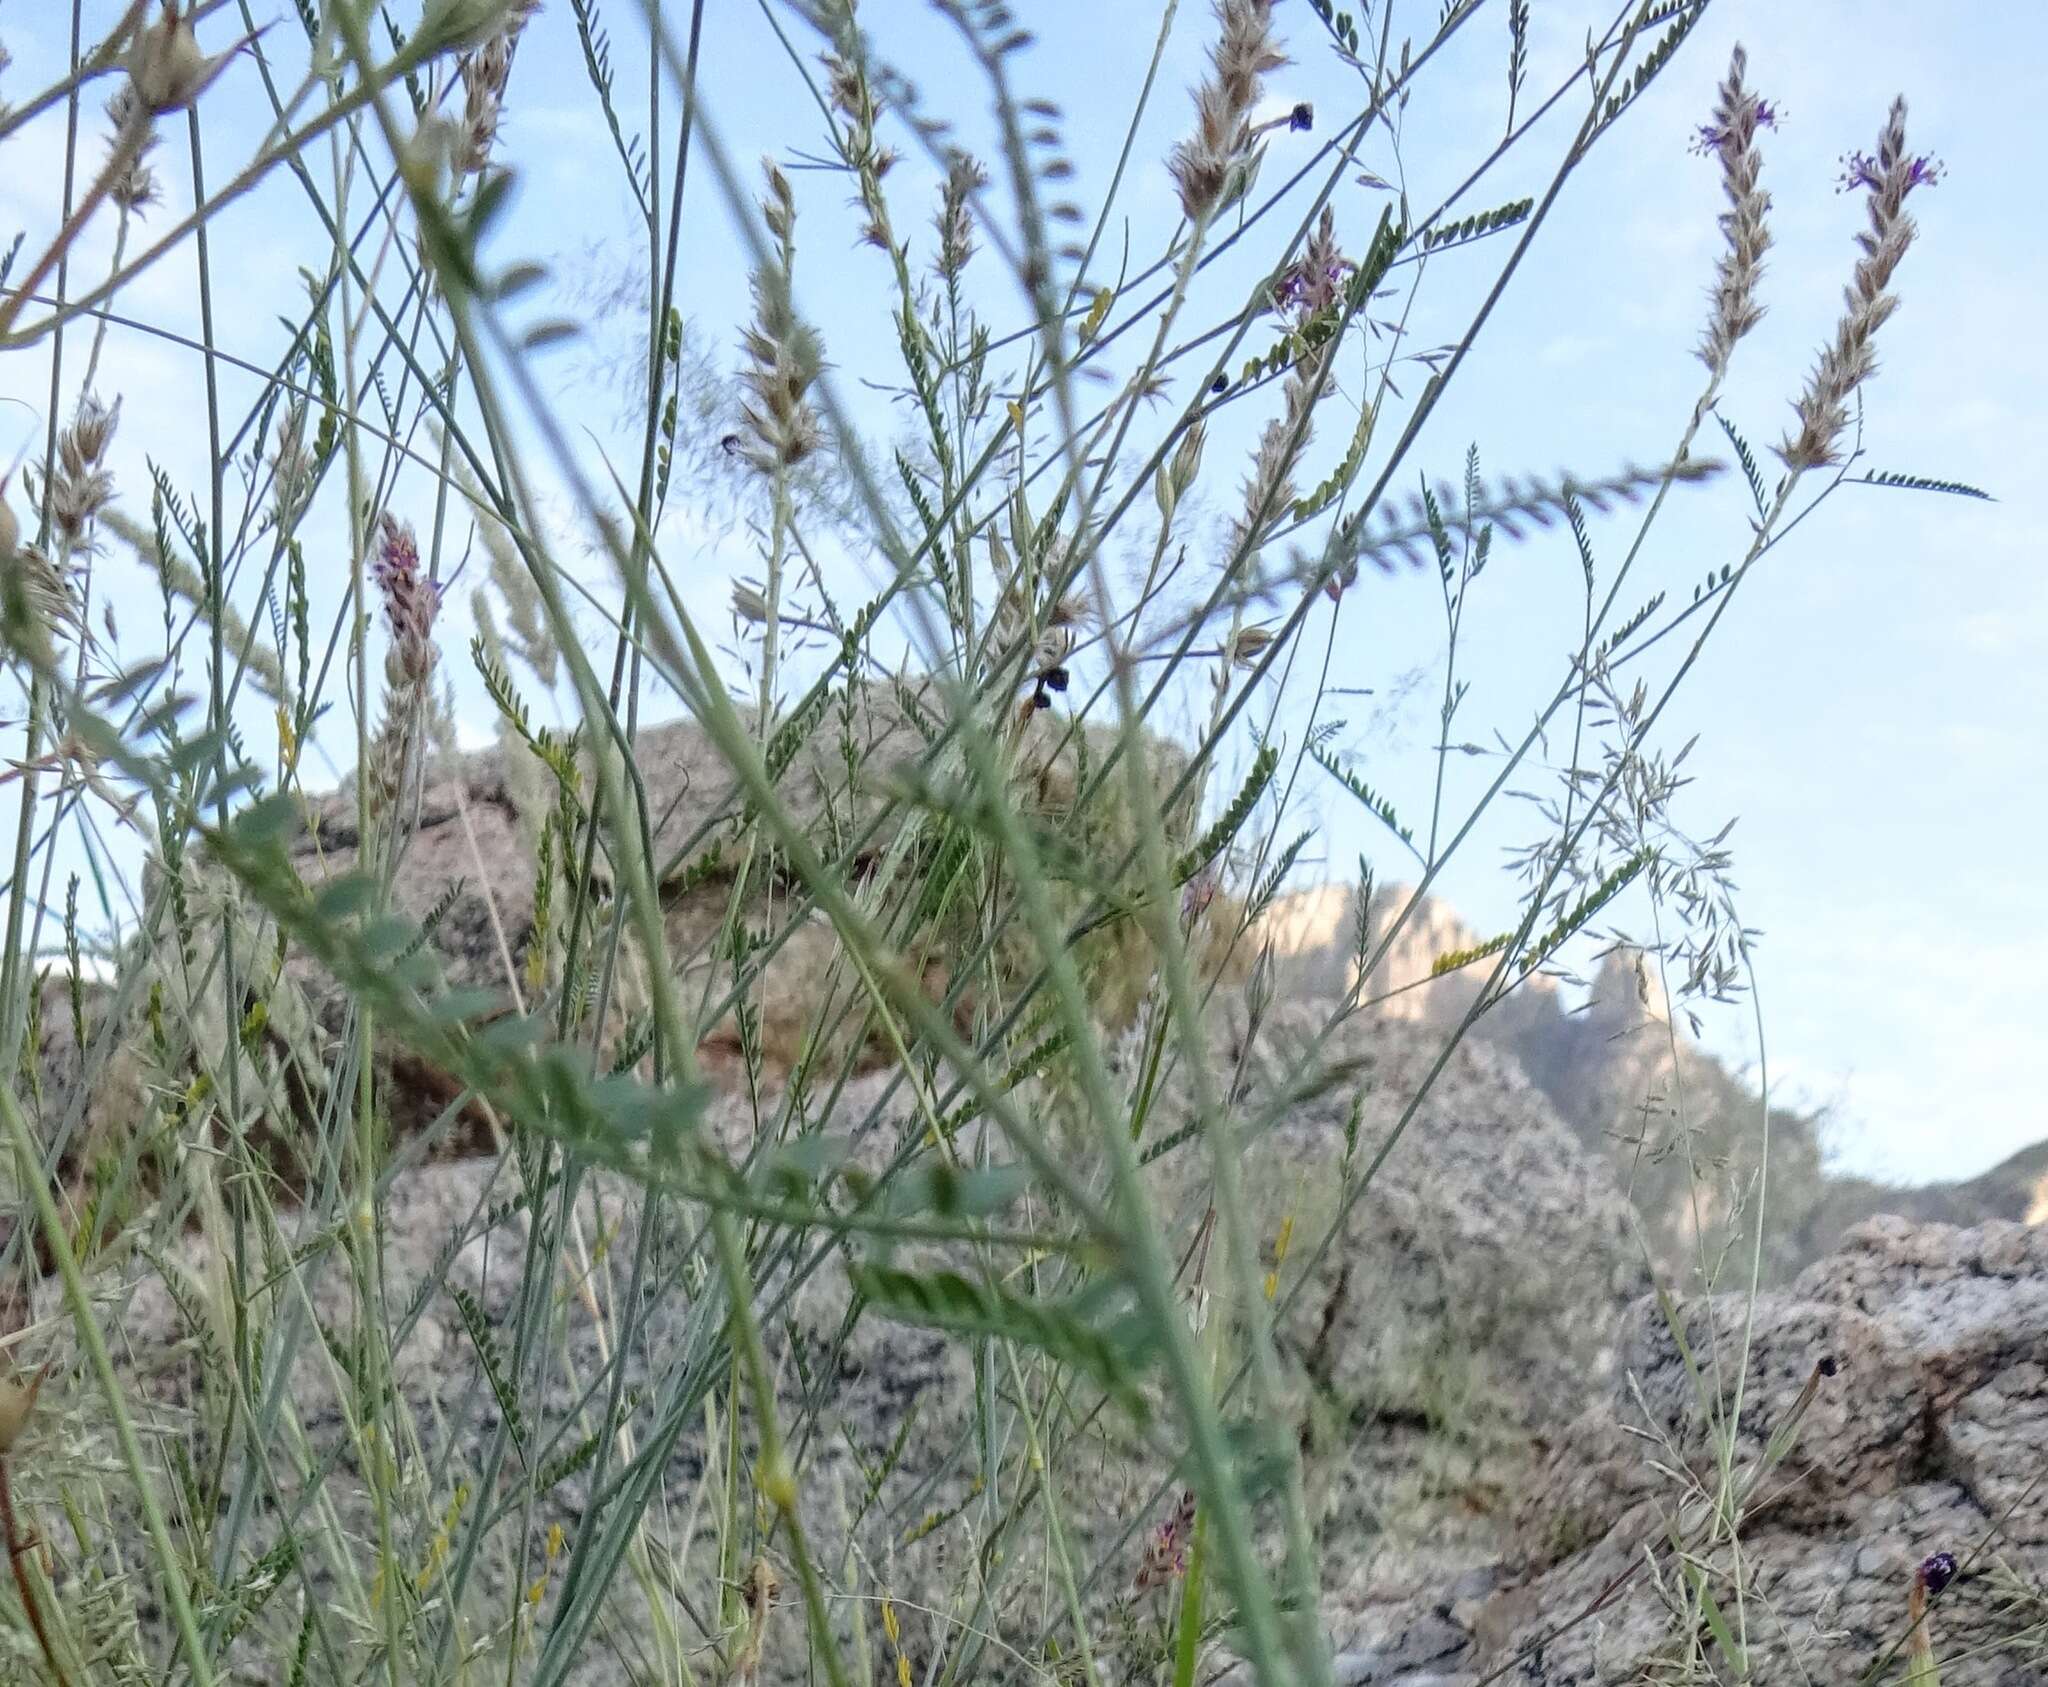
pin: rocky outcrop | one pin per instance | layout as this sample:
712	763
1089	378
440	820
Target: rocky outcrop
1682	1132
1470	1295
1894	1405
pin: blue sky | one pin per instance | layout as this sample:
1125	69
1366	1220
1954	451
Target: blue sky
1873	712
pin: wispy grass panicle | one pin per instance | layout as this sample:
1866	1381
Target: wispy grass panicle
1208	166
1889	177
1739	116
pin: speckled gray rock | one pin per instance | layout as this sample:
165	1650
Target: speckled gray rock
1914	1365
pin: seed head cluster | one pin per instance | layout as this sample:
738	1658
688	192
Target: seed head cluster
81	485
1205	165
781	357
484	74
133	185
955	217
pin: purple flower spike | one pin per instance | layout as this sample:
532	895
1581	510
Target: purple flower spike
1710	138
1860	169
1937	1571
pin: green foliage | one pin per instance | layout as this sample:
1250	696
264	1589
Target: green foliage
1379	807
861	992
1080	1332
1919	483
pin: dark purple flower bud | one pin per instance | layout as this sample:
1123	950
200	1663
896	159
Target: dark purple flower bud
1937	1571
1220	385
1302	118
1828	1365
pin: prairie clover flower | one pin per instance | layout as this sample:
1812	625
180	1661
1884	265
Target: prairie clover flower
1314	282
1731	138
1848	361
411	602
1860	170
1166	1553
1208	167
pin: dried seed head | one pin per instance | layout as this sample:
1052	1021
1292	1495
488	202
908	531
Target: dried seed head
1247	645
778	208
748	604
955	218
291	464
1208	167
166	67
847	89
781	356
134	186
484	74
81	486
1073	610
1269	491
